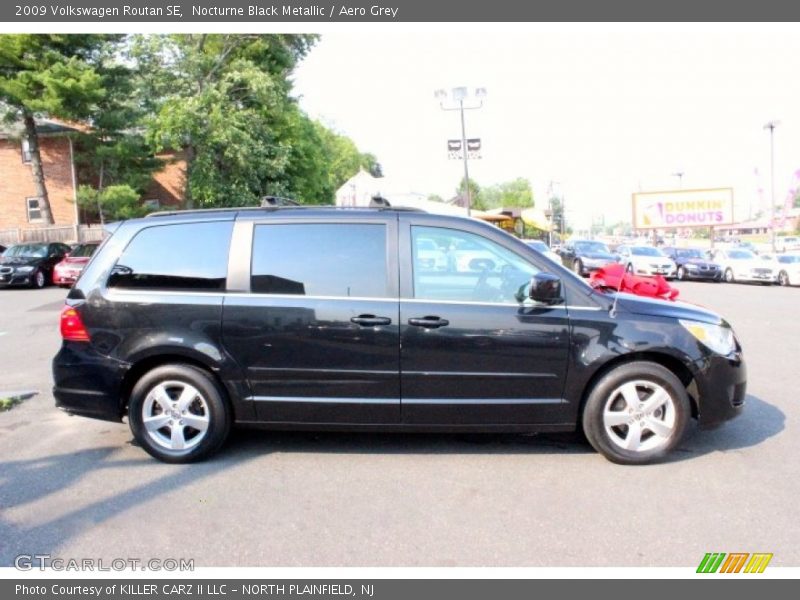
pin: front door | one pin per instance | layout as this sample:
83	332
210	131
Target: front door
474	350
318	334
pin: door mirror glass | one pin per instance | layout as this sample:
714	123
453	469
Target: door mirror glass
545	289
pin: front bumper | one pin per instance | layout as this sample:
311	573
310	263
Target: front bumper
87	383
755	278
649	271
715	275
721	389
65	277
15	279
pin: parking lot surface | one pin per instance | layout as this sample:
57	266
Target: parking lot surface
78	488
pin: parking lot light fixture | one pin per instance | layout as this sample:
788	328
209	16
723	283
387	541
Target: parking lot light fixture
771	125
458	97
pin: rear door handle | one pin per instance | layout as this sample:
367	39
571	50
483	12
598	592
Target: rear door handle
429	322
370	320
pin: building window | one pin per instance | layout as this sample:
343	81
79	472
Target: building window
26	151
34	209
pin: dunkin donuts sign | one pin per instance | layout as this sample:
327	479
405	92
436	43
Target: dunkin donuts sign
684	208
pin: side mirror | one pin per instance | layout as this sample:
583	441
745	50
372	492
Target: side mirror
545	289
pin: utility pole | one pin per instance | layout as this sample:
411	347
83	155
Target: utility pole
771	125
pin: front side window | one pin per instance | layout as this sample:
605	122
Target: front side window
186	256
34	209
320	259
466	267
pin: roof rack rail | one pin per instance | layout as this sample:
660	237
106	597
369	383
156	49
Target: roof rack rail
193	211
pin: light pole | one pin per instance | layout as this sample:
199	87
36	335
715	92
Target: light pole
771	125
457	96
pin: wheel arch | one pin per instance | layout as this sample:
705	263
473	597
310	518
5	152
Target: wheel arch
148	363
668	361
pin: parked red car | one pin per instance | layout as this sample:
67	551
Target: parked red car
68	270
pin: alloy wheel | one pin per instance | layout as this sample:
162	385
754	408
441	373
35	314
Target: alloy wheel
640	416
175	415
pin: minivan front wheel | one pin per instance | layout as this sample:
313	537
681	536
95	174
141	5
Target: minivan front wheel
636	413
178	413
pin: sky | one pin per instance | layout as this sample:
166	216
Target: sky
602	111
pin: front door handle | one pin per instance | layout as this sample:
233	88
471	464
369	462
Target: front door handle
429	322
370	320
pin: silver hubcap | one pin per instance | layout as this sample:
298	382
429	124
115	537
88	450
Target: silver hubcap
639	416
40	279
175	415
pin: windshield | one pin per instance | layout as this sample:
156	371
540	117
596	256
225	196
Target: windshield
789	259
591	247
27	251
83	251
689	253
646	251
741	254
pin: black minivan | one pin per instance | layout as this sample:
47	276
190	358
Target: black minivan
382	319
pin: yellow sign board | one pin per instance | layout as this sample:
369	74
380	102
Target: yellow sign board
683	208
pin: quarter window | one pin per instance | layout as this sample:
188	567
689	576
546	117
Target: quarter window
459	266
190	256
315	259
34	209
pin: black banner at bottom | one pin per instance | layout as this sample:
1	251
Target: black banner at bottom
377	589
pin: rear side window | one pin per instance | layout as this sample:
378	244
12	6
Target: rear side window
320	259
187	256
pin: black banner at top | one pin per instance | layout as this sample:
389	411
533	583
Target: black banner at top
265	11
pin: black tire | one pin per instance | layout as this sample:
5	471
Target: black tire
215	409
603	392
729	278
681	273
629	268
38	279
577	267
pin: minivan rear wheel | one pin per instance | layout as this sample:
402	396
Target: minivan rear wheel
178	413
636	413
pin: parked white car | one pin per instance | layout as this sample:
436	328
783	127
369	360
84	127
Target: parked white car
743	265
787	266
429	256
787	243
544	249
646	260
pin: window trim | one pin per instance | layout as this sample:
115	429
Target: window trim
27	155
28	209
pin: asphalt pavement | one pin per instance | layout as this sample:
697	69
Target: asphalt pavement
77	488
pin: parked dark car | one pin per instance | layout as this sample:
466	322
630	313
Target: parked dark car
30	264
321	318
693	263
585	256
66	272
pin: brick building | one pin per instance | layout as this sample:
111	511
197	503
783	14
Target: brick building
19	205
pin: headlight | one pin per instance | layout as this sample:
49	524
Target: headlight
24	269
716	338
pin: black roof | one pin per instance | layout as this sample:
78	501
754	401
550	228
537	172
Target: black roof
233	211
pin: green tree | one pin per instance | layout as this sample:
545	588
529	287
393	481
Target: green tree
516	193
52	75
475	196
114	202
224	99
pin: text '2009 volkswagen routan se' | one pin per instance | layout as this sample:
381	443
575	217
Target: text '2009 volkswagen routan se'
321	318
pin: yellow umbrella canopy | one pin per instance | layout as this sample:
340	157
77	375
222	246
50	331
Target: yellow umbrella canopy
535	218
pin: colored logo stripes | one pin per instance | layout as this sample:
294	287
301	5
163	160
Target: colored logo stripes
735	562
